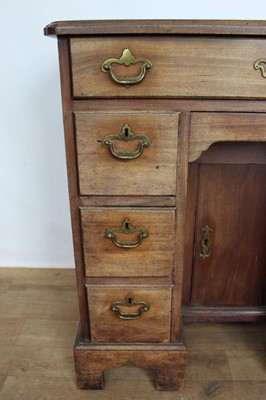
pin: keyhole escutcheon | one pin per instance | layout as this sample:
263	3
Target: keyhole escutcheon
206	242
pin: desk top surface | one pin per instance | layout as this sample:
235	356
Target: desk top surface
159	27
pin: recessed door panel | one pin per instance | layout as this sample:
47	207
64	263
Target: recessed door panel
230	238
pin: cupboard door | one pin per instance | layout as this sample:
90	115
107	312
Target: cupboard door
232	202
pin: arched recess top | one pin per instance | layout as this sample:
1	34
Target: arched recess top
208	128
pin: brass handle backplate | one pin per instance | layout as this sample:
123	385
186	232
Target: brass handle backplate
205	243
127	228
260	64
127	59
126	135
130	302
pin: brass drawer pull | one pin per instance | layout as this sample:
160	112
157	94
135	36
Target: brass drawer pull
260	64
130	302
126	59
127	228
126	135
205	242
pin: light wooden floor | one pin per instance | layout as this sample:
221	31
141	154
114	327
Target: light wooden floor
38	323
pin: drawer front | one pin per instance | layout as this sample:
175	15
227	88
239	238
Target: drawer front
113	321
211	127
127	153
180	67
131	252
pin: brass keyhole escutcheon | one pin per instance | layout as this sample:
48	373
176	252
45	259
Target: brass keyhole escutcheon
206	242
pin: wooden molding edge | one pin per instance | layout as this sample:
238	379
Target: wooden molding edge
223	314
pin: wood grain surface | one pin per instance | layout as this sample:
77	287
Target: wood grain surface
152	326
182	67
231	200
152	173
208	128
153	26
153	257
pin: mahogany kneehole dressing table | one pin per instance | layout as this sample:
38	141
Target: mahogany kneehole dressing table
165	132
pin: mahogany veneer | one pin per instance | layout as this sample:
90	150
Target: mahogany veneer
165	132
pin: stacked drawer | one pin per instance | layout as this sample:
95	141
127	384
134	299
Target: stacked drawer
128	154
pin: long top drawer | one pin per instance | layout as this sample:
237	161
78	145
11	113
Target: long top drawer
176	66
